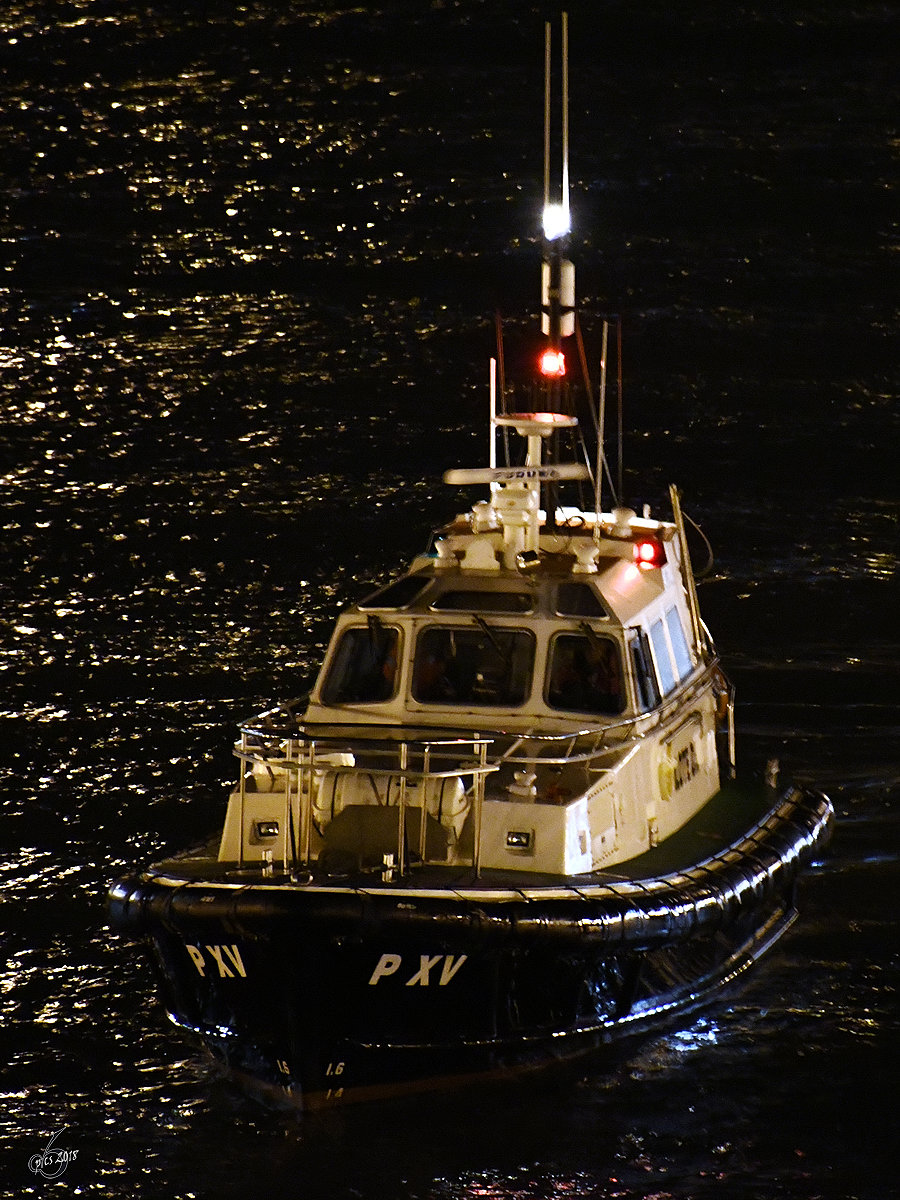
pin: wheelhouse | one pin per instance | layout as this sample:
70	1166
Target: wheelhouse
435	648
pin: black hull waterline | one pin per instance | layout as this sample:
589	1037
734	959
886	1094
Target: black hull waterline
333	991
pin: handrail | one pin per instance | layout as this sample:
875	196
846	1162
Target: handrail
270	749
302	760
462	766
350	730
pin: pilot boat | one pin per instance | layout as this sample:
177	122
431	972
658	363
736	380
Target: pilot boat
503	829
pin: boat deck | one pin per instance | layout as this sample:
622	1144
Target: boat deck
732	814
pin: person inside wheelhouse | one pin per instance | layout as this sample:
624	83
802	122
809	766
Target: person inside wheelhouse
483	665
585	674
364	669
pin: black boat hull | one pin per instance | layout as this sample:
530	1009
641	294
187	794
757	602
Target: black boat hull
328	994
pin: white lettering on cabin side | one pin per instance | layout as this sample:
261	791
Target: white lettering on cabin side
687	766
226	958
389	964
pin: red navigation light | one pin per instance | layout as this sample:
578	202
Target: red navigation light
649	553
553	364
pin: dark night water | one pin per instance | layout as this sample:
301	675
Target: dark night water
251	258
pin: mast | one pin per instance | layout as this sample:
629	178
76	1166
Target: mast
516	491
557	270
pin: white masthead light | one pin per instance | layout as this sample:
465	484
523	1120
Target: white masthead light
556	221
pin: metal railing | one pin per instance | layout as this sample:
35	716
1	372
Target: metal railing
302	761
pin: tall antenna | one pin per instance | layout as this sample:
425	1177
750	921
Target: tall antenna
601	419
558	273
556	217
565	115
547	70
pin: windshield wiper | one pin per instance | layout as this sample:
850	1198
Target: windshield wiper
597	642
486	629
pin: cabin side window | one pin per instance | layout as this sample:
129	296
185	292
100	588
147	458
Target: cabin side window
682	654
485	665
662	656
670	650
585	674
646	687
364	667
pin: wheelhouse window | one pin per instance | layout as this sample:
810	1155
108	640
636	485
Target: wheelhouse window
479	665
585	674
364	667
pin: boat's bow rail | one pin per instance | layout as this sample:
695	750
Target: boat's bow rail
316	800
380	801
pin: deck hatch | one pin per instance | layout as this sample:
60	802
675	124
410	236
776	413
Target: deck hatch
398	594
579	600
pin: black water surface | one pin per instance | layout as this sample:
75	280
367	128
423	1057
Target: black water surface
251	258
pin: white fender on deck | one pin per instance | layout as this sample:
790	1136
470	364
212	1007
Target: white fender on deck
445	797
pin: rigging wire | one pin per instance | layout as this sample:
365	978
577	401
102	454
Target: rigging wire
501	381
619	404
710	559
